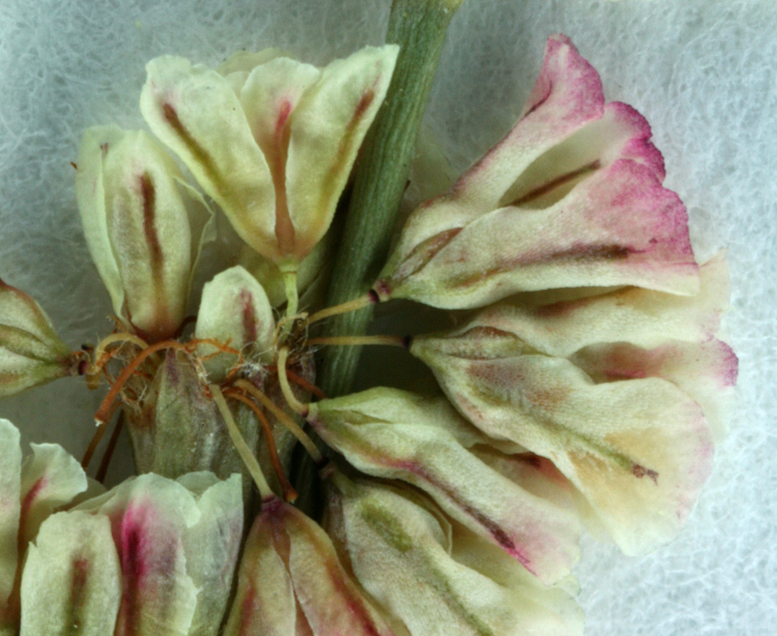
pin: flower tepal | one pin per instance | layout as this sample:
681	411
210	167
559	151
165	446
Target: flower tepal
571	197
274	146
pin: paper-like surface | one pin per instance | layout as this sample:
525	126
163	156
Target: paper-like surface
701	71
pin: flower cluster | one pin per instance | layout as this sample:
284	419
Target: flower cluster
584	385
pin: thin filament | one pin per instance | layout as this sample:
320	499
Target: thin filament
240	444
344	308
352	341
307	386
105	408
283	418
97	437
294	403
289	494
103	469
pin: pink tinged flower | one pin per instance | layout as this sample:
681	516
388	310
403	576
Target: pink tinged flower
143	225
177	543
234	310
402	550
273	146
10	512
30	491
609	388
291	582
72	578
571	197
31	353
393	434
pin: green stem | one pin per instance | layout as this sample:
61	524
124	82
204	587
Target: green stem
419	27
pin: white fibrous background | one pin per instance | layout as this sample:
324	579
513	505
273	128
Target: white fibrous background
701	71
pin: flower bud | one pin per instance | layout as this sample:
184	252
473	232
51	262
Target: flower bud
291	582
393	434
236	312
31	353
143	225
401	550
273	147
609	388
571	197
177	429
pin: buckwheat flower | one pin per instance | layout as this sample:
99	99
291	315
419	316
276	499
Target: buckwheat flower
31	352
30	491
400	549
571	197
394	434
143	225
234	309
291	582
177	544
609	388
273	146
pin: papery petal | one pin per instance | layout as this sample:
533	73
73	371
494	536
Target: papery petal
10	510
31	353
269	97
707	372
239	65
149	516
638	450
638	316
384	433
571	197
195	111
482	556
326	131
234	310
71	583
291	582
212	546
51	478
137	224
393	546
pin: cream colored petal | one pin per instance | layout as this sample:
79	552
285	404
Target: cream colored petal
265	601
149	516
638	316
239	65
327	129
401	444
10	509
638	450
149	231
235	311
195	111
51	478
90	193
71	585
394	551
212	546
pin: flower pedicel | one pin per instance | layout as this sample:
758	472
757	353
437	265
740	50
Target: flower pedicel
585	389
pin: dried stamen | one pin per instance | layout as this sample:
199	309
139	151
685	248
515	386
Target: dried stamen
289	494
240	444
351	341
283	418
294	403
103	469
97	437
344	308
105	408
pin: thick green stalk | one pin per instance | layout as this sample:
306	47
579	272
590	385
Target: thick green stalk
419	27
